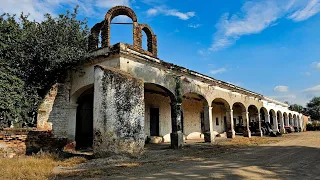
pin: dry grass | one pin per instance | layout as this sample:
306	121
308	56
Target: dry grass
38	166
253	141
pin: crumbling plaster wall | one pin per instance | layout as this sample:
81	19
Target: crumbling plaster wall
83	78
118	120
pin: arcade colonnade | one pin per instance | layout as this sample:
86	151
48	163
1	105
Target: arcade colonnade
125	95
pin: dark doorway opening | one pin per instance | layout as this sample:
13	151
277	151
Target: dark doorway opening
84	123
154	121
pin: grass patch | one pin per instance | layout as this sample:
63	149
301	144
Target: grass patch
37	166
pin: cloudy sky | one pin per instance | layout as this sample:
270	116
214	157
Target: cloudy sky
271	47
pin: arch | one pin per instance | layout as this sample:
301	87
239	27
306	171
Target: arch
121	10
148	85
194	115
285	118
221	117
221	100
94	36
290	119
272	115
254	123
158	112
240	117
74	97
151	39
114	12
280	122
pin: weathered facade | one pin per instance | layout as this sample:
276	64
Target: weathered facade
125	95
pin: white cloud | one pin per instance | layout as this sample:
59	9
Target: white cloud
37	8
316	65
217	71
307	73
256	16
194	25
152	12
284	97
281	88
312	8
170	12
313	89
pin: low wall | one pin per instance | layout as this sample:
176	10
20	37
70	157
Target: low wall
15	142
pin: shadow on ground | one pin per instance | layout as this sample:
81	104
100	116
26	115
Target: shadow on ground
201	161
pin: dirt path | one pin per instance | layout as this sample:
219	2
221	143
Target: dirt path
296	156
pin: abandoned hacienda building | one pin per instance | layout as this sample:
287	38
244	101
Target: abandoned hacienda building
125	95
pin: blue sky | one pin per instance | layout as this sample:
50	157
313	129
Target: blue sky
271	47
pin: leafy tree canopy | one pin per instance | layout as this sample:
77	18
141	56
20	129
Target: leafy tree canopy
33	56
313	108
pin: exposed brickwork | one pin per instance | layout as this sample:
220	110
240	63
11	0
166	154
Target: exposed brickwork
45	109
26	141
104	28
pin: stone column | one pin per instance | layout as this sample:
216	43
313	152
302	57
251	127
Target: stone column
231	132
259	121
275	123
176	136
282	130
208	124
246	130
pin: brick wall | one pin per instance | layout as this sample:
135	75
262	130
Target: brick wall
27	141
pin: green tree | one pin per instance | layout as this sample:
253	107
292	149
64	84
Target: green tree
313	108
297	107
36	56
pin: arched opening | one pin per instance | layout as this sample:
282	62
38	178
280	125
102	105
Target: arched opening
221	119
157	112
266	128
273	119
84	120
239	113
254	125
280	121
285	119
121	28
119	12
193	111
290	120
144	41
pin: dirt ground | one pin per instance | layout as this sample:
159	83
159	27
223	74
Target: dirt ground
292	156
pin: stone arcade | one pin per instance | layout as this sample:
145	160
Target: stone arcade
124	95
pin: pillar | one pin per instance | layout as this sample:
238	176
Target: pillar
282	130
275	123
176	136
246	130
72	109
230	125
259	121
208	124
